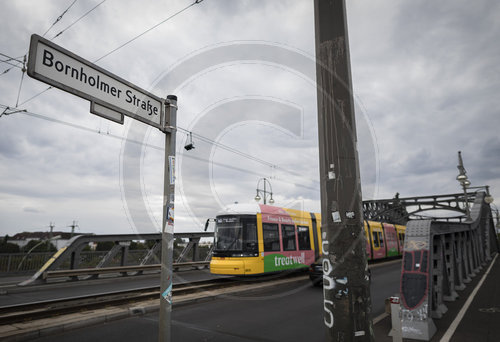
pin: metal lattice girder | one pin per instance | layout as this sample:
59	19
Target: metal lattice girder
151	254
400	210
439	258
209	254
192	244
72	249
106	260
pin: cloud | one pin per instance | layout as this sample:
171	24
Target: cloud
425	77
31	210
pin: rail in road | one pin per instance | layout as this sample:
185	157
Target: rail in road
28	319
292	311
385	277
48	308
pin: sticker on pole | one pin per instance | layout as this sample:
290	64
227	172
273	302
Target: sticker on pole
170	215
171	169
167	294
336	217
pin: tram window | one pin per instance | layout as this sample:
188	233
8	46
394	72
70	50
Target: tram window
250	235
271	237
304	241
381	238
375	239
288	233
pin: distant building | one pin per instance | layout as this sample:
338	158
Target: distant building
22	239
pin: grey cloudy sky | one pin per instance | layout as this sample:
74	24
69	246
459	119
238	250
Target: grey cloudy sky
425	77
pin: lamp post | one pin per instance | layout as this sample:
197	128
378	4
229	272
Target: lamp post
464	181
488	198
264	192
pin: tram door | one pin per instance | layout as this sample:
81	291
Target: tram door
378	243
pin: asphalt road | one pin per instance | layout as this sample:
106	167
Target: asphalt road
16	295
291	312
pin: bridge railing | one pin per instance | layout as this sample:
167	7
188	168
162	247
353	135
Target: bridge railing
70	256
439	259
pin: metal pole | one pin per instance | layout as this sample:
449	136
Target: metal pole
346	286
462	178
167	243
467	210
265	194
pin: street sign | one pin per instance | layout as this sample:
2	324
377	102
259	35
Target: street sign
110	96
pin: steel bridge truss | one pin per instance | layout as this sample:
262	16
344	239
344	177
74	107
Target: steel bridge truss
401	210
439	259
71	252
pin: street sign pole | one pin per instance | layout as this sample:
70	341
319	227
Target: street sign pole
345	279
167	243
112	97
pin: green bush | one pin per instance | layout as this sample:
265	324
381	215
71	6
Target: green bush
7	247
45	246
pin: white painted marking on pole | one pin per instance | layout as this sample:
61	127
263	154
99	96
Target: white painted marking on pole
336	217
342	281
359	333
451	330
169	229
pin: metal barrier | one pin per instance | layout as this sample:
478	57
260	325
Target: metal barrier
123	270
439	259
71	253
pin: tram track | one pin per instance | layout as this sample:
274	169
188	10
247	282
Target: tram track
25	312
58	307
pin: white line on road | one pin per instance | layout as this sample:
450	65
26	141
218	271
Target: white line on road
451	330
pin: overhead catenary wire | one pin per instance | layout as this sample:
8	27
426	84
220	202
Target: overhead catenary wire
22	78
243	154
59	17
35	96
8	61
57	20
6	71
77	20
161	148
148	30
9	58
227	148
119	47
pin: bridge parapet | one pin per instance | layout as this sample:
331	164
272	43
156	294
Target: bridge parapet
71	251
439	259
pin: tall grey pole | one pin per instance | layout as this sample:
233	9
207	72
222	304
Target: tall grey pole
167	243
346	285
265	194
464	181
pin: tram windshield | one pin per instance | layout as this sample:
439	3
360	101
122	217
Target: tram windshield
236	236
